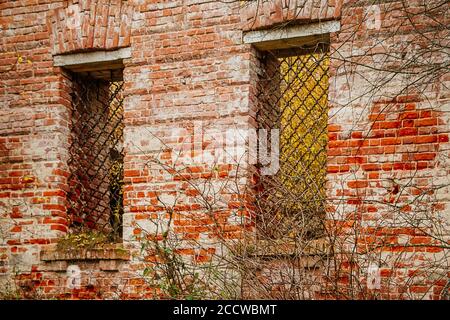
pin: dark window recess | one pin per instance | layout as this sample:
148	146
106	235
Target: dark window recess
293	97
95	195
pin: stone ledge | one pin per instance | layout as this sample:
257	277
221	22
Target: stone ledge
76	60
282	248
107	252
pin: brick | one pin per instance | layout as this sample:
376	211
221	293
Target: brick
443	138
389	141
370	167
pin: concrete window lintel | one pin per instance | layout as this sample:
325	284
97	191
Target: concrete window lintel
292	35
96	57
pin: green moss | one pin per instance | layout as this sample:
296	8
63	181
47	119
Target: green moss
83	240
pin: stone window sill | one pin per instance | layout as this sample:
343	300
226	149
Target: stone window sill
106	252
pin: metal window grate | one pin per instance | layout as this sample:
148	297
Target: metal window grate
293	97
95	198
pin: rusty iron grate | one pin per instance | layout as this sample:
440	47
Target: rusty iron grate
95	198
293	97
